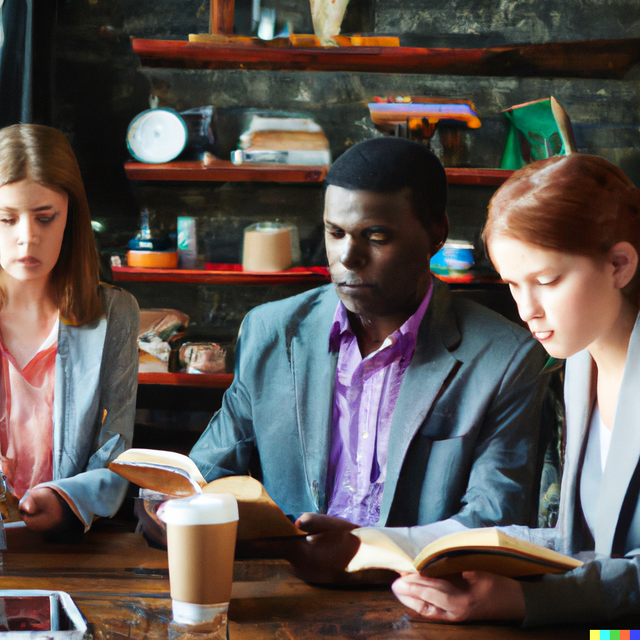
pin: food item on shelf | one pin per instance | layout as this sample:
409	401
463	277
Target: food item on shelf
176	475
283	140
203	357
161	333
474	550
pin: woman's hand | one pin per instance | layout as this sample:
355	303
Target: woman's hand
474	595
42	509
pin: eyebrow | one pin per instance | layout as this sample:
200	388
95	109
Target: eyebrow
46	207
535	274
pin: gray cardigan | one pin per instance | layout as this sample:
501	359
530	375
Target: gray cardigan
96	378
464	435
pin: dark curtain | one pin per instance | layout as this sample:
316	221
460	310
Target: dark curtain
27	62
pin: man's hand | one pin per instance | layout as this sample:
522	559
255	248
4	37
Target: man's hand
324	554
42	509
474	595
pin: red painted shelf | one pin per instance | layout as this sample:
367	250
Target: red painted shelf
224	171
312	275
479	177
579	59
209	380
192	276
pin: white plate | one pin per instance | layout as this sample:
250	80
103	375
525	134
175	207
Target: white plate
157	135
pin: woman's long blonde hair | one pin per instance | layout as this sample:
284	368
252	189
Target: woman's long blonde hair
43	154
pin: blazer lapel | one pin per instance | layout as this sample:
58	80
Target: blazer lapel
624	451
314	368
430	366
579	395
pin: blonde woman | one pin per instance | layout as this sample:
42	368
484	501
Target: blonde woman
68	351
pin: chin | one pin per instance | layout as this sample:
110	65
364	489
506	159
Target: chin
557	351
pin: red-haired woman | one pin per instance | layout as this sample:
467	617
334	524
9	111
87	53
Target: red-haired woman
68	352
564	233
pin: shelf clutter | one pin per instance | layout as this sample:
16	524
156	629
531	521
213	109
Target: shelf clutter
578	59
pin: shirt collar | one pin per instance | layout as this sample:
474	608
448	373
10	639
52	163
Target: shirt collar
340	328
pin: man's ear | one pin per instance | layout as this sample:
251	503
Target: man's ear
624	258
439	234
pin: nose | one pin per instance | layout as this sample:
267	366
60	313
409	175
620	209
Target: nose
529	307
27	231
352	257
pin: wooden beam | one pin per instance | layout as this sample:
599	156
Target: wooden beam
221	22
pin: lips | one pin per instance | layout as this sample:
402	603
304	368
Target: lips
29	261
542	335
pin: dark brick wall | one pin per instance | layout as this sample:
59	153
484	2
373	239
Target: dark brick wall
100	87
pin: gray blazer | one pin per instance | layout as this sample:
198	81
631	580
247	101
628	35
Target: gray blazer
464	435
94	400
605	588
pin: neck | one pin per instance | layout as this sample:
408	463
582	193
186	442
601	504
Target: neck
609	352
30	296
371	332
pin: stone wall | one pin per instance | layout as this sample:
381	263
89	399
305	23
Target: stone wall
100	87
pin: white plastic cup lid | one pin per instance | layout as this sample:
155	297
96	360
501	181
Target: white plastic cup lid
206	508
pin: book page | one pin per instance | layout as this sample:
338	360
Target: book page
162	471
380	549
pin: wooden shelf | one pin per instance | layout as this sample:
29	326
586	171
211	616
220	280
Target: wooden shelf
224	171
189	276
209	380
479	177
577	59
315	276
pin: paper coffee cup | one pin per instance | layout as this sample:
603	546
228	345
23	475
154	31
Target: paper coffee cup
201	539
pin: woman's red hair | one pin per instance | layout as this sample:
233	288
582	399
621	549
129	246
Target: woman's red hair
578	204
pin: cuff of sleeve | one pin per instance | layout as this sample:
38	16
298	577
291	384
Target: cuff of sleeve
99	492
72	505
561	599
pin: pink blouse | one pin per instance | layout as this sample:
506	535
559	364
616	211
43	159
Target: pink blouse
26	417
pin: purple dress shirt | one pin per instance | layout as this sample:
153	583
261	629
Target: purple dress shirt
366	391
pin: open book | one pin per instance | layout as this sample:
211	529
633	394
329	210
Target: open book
176	475
472	550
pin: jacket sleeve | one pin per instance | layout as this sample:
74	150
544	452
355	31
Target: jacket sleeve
505	471
97	491
603	589
226	445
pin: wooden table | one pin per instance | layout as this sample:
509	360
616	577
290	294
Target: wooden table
122	588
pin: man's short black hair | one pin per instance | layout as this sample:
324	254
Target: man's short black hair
387	165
